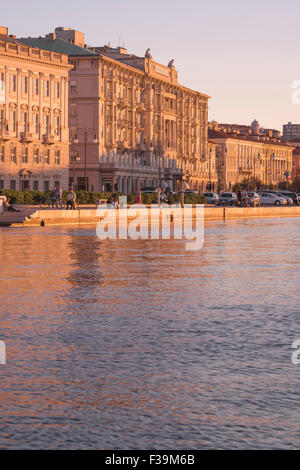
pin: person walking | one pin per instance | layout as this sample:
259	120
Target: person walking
139	197
53	196
239	197
59	193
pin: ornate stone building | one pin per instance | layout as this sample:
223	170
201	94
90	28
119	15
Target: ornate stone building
132	124
34	134
241	157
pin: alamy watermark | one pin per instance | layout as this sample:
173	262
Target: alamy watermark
296	354
122	222
2	352
295	98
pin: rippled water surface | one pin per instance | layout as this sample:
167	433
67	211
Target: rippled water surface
141	344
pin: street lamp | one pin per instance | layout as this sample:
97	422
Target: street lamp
209	169
272	165
86	132
74	159
254	160
134	155
160	153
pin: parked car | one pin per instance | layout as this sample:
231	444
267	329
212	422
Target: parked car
253	199
211	198
279	193
149	189
228	199
292	195
190	191
288	198
268	198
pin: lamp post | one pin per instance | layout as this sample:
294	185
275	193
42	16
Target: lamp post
254	160
86	132
209	170
159	152
133	156
272	165
74	159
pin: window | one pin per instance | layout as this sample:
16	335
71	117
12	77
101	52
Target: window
2	153
74	63
35	89
56	125
57	89
35	120
47	122
73	110
57	157
35	185
24	120
73	87
24	85
25	155
13	154
13	185
1	184
46	88
47	157
12	117
36	156
46	186
13	83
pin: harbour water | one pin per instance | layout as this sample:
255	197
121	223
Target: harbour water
143	345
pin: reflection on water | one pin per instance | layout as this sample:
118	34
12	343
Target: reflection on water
141	344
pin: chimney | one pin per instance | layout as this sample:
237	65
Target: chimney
3	30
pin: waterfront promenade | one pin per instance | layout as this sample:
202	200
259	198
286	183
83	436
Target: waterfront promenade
33	216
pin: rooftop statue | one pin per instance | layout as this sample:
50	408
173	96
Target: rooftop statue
171	63
147	54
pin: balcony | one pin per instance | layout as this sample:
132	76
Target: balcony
122	145
123	102
122	122
48	139
26	137
139	126
4	134
245	170
140	107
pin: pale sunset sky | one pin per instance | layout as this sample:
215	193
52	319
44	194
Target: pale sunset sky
243	54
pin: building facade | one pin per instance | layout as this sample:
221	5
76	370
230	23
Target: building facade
290	132
241	158
34	134
132	124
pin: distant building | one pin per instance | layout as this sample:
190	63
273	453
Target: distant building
144	126
254	129
296	163
34	133
241	156
290	132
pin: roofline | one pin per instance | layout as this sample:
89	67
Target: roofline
141	72
264	142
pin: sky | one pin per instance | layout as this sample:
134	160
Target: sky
245	55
